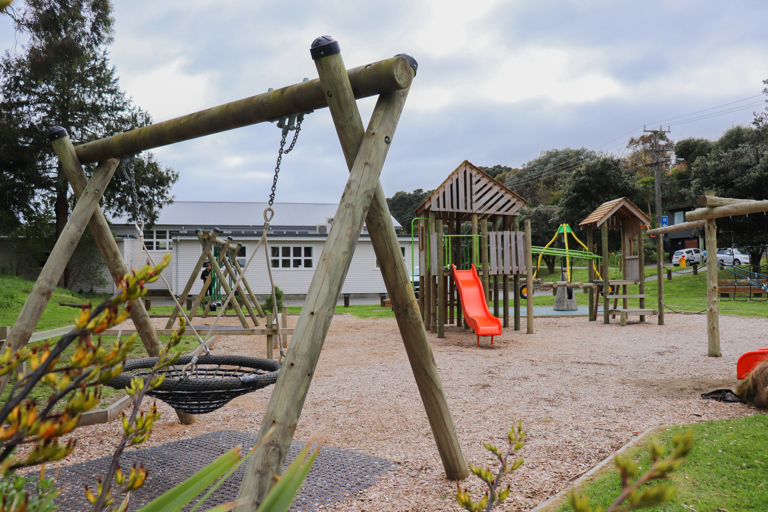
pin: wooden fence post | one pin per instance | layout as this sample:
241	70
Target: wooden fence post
529	276
440	279
606	273
713	306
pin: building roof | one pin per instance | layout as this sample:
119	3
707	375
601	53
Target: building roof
199	214
617	210
469	189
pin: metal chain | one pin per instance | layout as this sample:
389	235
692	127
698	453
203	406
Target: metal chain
131	175
285	125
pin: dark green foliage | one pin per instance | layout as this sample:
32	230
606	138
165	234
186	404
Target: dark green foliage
541	180
692	148
741	173
267	307
62	76
544	224
402	206
500	172
593	184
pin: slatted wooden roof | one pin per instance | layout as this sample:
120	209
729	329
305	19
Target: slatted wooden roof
615	212
469	190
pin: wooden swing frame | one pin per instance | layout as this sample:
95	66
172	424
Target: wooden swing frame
363	200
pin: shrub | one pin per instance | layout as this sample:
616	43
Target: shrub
268	302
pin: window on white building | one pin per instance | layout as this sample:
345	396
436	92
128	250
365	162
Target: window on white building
158	240
679	217
291	256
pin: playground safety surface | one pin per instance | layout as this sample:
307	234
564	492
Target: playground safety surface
335	475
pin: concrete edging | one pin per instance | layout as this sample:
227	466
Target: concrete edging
559	497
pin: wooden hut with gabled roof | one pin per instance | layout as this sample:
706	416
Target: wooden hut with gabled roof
621	215
468	194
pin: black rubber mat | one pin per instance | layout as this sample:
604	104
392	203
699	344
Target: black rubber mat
336	474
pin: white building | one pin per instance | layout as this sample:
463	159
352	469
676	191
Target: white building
296	236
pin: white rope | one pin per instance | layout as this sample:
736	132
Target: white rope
170	291
239	279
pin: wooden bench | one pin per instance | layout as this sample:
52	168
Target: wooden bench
726	287
623	313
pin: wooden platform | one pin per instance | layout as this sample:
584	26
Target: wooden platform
624	313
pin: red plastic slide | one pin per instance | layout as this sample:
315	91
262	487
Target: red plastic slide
749	361
473	304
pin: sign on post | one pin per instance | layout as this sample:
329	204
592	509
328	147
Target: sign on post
664	221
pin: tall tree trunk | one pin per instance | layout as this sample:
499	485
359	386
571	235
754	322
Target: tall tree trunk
62	214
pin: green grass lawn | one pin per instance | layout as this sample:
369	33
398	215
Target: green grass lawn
727	469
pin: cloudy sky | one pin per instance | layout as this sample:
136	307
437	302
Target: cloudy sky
498	82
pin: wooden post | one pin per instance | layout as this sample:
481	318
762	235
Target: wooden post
457	248
516	279
87	204
432	273
591	274
713	306
496	296
244	282
199	298
248	287
641	263
606	270
239	288
290	391
217	270
284	325
440	278
270	340
529	276
660	275
451	285
484	259
191	282
102	233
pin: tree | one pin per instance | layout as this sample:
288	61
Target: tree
403	205
544	224
62	76
740	172
593	184
639	161
500	173
692	148
541	180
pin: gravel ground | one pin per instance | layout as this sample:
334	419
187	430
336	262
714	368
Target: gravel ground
582	390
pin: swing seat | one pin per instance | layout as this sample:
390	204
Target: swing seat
212	382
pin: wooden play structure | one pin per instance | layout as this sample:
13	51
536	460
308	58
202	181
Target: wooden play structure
713	208
363	200
496	247
623	216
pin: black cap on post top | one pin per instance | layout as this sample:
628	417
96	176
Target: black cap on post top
411	61
324	46
57	132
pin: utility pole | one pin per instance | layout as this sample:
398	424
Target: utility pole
657	150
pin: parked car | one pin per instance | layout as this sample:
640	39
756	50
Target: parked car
727	257
693	256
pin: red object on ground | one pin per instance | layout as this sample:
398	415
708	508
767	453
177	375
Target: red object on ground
473	304
749	360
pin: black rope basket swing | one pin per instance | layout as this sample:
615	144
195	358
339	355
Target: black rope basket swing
210	383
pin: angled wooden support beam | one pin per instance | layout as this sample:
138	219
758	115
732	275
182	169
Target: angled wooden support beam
190	283
87	203
247	285
223	279
102	233
239	290
377	78
674	227
730	210
297	371
713	201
